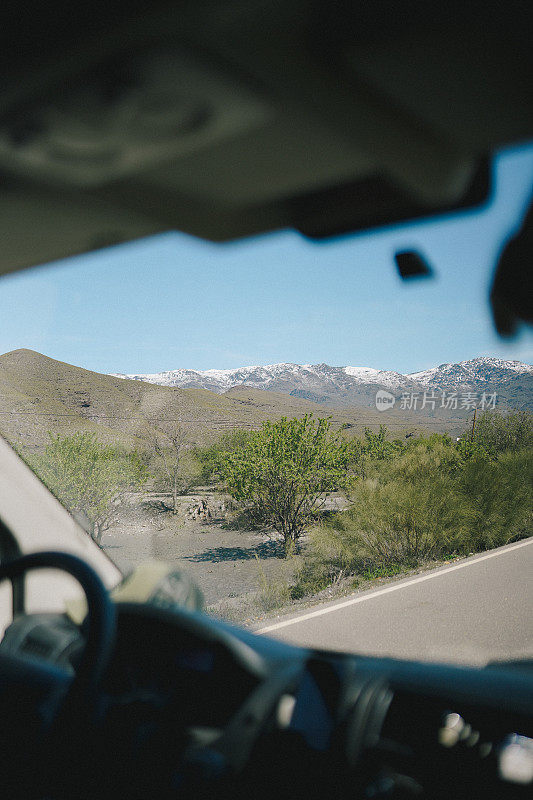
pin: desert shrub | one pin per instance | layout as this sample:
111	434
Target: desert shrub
373	450
402	522
498	433
272	592
499	494
426	458
470	449
327	559
432	501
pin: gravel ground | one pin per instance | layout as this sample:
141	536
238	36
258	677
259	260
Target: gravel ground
223	562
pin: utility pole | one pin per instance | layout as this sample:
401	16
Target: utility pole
473	425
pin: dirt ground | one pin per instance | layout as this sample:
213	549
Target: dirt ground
242	573
225	563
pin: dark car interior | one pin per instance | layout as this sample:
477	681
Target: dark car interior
223	120
150	701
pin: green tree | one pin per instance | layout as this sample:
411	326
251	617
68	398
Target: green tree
378	446
211	456
89	477
284	472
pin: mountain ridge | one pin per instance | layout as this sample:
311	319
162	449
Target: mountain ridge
348	385
40	395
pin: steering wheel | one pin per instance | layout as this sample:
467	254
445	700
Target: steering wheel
56	728
101	616
39	701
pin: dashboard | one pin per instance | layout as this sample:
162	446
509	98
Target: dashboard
191	707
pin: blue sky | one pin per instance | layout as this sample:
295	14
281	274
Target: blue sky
173	301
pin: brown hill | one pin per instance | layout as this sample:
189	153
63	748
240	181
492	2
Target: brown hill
39	394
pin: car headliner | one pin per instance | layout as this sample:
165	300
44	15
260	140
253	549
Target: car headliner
224	119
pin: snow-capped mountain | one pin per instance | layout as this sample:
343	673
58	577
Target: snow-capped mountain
392	380
277	377
474	373
357	385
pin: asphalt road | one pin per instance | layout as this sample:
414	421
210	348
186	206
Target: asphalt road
473	611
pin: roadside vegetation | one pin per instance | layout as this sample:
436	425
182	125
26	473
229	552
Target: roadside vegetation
168	454
427	500
283	474
90	478
339	510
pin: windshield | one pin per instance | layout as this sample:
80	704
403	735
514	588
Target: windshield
338	457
